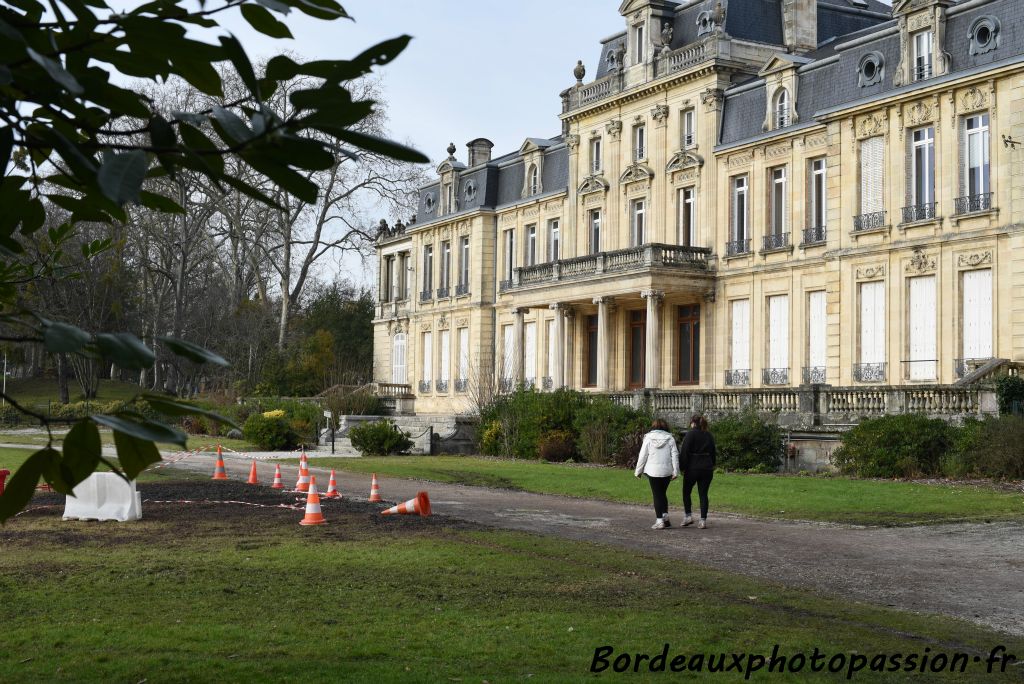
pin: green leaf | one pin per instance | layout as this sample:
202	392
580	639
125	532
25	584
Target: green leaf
265	22
193	352
57	474
64	338
82	450
169	407
20	487
152	200
236	53
381	146
125	350
135	454
57	72
148	430
121	175
275	5
233	126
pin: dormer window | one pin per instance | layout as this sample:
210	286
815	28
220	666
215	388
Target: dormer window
704	23
534	182
639	142
781	109
923	55
638	44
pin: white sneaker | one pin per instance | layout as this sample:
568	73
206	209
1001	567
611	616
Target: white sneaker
702	524
667	523
659	524
687	521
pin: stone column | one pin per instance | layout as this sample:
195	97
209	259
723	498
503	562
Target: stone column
557	369
517	354
652	346
568	370
605	305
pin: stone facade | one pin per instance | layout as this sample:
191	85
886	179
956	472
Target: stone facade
722	215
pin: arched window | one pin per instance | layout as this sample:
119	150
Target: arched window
781	108
534	182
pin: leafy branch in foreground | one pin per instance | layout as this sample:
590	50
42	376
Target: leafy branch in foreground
71	136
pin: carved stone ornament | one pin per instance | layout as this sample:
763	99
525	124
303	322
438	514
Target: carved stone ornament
975	259
531	212
426	326
580	71
920	262
657	295
712	98
573	141
816	140
443	323
682	160
778	151
614	128
462	322
508	219
973	100
660	114
636	172
397	329
869	272
592	184
741	159
870	125
710	296
920	113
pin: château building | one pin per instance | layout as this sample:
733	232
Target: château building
809	206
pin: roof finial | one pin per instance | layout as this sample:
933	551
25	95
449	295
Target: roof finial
451	150
579	72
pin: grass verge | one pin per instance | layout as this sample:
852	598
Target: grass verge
825	499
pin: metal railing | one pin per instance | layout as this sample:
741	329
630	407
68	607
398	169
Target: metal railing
775	241
441	385
507	384
919	212
775	376
922	72
426	296
462	289
869	372
461	385
547	383
972	204
737	247
869	221
815	235
443	293
425	387
815	375
504	285
737	378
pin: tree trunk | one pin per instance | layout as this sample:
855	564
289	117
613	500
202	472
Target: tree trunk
62	379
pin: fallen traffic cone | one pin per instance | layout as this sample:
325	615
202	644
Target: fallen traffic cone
219	473
253	477
375	490
332	488
3	478
420	505
313	514
302	484
277	479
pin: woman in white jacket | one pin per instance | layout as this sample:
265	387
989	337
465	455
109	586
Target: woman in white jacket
659	460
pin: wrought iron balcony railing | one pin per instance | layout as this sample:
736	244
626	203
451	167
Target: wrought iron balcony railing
737	378
869	372
504	285
776	241
972	204
425	386
441	385
922	72
547	383
775	376
869	221
529	383
426	296
737	247
815	236
919	212
462	289
815	375
443	293
461	385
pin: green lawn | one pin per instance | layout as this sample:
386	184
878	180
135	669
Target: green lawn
107	437
11	459
867	502
221	593
39	391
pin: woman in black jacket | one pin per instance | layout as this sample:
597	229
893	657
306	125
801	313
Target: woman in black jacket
697	460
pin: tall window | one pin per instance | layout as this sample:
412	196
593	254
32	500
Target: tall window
637	347
739	208
781	109
510	253
552	354
923	168
591	369
923	55
922	359
638	215
817	197
817	329
741	334
688	345
398	375
387	285
639	142
403	276
872	158
427	363
976	314
778	202
428	268
444	372
976	156
872	322
778	338
508	351
595	231
530	352
689	132
638	44
595	155
446	264
687	217
464	261
534	182
463	371
554	241
531	244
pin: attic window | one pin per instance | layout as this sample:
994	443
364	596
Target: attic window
869	71
704	23
470	190
984	35
781	110
428	202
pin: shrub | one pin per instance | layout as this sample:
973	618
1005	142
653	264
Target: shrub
894	446
997	450
194	425
490	438
959	461
9	416
608	433
380	438
746	442
359	403
1010	393
272	434
556	446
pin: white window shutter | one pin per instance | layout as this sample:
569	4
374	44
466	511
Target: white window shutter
508	352
428	357
741	334
872	154
778	330
530	350
817	330
446	360
463	353
549	334
922	328
398	373
977	314
872	322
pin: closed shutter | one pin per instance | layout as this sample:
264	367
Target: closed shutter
778	330
463	353
816	331
508	351
872	322
922	328
741	334
428	357
872	154
446	359
549	334
530	350
977	314
398	373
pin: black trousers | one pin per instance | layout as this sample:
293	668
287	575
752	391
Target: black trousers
659	488
701	478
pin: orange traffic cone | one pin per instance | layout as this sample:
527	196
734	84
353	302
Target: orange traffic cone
313	514
332	488
302	484
277	479
219	472
420	505
375	490
253	477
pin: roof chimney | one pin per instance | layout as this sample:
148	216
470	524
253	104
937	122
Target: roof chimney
800	25
479	151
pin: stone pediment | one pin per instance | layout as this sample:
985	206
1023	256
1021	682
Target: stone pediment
781	62
533	145
683	160
636	172
447	166
592	184
901	7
